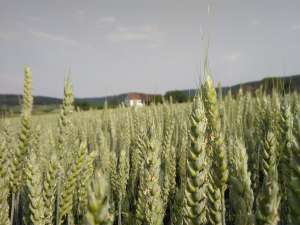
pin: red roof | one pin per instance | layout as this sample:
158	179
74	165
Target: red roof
135	96
140	96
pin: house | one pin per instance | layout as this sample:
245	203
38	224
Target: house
136	99
140	99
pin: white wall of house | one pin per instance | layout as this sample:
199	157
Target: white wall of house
135	102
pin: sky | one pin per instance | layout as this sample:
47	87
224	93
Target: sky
109	47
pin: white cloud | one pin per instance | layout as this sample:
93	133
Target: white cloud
149	34
34	18
296	27
232	57
254	22
127	36
149	29
108	19
54	37
81	12
7	35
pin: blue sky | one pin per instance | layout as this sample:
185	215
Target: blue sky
117	46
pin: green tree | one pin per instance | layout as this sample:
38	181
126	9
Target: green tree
177	96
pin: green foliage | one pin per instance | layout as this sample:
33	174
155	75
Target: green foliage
269	198
4	185
168	159
214	136
70	183
18	160
216	153
49	190
231	159
86	175
195	190
34	184
286	139
177	96
294	180
98	202
241	194
150	206
214	203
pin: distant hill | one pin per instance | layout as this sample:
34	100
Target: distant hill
10	100
101	100
14	100
291	83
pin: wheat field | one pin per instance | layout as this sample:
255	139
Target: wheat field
218	160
